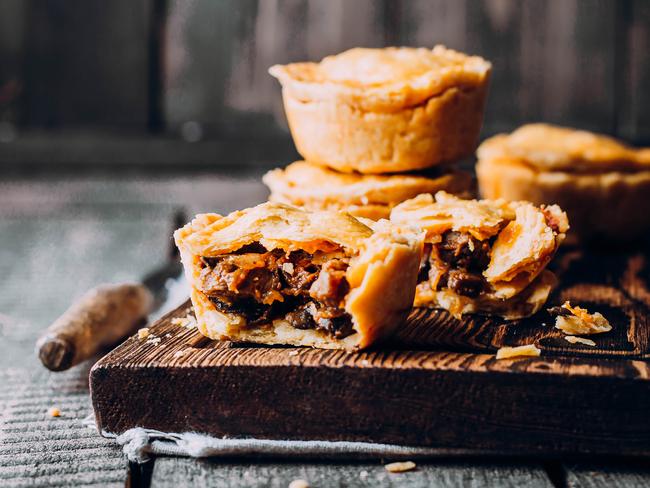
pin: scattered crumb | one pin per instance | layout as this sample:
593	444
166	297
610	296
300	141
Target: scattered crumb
287	268
544	324
179	354
154	340
365	362
189	321
400	467
54	412
580	322
363	474
512	352
582	340
299	484
293	353
143	333
168	335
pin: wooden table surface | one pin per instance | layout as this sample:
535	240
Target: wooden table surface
58	237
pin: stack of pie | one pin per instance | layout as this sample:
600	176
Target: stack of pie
375	219
379	126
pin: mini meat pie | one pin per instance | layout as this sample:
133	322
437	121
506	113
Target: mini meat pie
385	110
484	256
371	196
603	185
277	274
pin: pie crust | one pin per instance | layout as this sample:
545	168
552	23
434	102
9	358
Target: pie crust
602	184
383	266
385	110
371	196
518	239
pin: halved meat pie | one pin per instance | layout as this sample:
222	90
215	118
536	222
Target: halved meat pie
277	274
486	256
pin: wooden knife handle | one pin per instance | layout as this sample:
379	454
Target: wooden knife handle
99	319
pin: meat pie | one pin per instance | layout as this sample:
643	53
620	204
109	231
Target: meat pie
486	256
277	274
371	196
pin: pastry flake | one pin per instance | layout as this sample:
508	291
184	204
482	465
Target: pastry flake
578	321
601	183
579	340
385	110
316	187
278	274
485	256
527	350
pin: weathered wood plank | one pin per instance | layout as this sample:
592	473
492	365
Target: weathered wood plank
39	450
12	25
170	472
55	242
86	64
610	475
634	75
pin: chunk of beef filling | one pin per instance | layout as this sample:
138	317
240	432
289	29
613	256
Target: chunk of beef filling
306	290
251	275
336	322
298	272
456	262
331	286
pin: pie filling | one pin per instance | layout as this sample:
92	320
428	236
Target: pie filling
456	262
306	290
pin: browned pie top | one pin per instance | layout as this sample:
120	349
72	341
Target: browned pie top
551	148
392	77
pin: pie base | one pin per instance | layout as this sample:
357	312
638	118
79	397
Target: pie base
611	205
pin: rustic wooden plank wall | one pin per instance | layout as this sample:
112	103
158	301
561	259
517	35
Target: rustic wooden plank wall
197	69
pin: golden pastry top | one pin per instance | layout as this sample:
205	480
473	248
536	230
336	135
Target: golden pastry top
525	236
392	77
277	225
551	148
305	182
480	218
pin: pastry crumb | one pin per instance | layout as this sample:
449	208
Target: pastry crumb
189	321
578	321
181	353
363	474
293	353
299	484
143	333
288	268
519	351
54	412
581	340
154	340
400	467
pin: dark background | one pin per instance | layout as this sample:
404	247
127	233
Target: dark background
182	84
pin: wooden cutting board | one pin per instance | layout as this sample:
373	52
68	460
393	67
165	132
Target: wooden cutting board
436	384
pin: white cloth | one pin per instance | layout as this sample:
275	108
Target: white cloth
140	444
